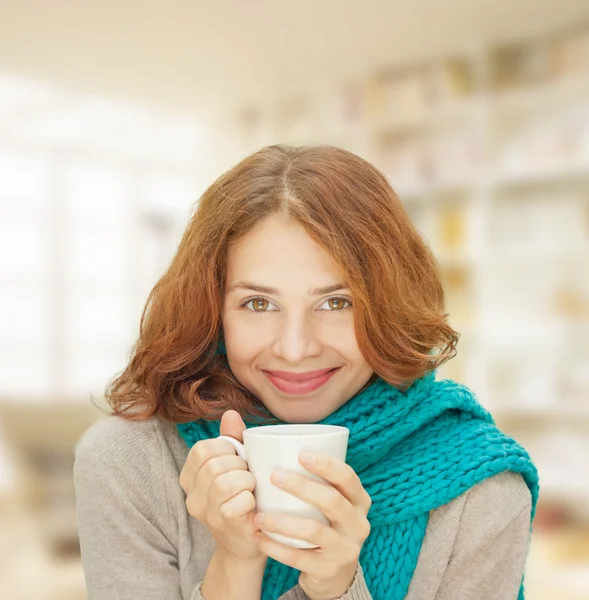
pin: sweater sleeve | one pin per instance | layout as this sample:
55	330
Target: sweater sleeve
475	546
489	553
123	517
125	526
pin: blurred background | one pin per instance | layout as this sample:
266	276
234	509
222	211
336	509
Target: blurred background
114	118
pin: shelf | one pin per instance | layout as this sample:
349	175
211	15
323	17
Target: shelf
565	91
531	254
427	192
569	175
460	111
574	174
562	414
510	257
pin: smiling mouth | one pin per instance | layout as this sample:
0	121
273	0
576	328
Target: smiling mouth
300	383
292	376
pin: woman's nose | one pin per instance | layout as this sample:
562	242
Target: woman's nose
297	339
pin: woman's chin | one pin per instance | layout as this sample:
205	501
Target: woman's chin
298	414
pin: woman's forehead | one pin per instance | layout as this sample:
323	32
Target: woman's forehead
278	244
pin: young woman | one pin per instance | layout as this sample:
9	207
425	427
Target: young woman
300	293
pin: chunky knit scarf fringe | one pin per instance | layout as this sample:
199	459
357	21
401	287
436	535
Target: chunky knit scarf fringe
413	451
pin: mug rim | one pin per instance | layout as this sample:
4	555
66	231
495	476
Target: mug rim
333	430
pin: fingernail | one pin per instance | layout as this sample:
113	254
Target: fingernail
279	476
307	457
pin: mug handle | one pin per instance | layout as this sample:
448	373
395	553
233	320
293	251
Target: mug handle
239	447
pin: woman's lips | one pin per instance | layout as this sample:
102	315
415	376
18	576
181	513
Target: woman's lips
300	383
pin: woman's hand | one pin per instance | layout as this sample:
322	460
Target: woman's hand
219	492
328	571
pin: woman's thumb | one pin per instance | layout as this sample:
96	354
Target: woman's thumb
232	425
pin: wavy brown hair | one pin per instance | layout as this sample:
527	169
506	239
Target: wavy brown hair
348	207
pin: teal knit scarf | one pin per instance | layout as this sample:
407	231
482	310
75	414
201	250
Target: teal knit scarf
413	451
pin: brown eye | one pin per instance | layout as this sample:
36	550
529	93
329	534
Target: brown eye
337	303
260	304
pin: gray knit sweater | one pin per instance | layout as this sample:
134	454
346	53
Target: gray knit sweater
138	541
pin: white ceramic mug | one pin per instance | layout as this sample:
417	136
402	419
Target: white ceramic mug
277	448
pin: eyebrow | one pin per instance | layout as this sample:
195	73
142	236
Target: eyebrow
261	289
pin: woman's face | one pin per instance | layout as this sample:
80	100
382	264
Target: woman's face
289	325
